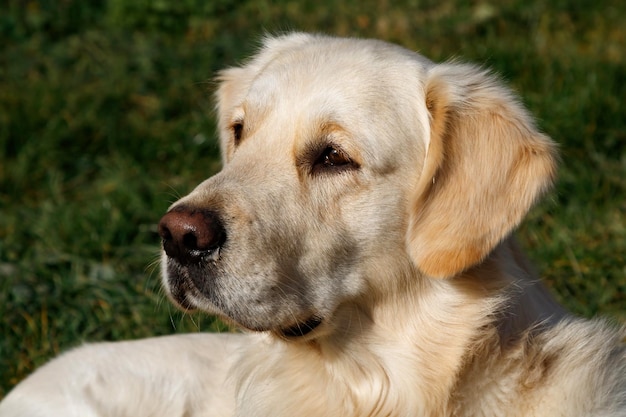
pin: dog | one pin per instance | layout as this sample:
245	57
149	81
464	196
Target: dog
360	233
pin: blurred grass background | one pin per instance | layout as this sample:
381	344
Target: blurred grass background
106	118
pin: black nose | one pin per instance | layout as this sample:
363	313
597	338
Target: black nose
190	235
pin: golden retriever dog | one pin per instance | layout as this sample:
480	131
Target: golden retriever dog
360	234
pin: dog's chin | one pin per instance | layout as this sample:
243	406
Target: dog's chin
300	331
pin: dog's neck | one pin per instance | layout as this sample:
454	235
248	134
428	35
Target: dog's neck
386	363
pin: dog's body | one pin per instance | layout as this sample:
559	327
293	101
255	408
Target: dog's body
360	228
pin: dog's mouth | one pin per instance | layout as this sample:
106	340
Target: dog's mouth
302	329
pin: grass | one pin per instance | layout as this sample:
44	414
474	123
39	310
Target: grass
106	118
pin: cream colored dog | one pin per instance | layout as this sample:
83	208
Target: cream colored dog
360	230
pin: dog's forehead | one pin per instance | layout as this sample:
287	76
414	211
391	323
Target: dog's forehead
335	79
311	73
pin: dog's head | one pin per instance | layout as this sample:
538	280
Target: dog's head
348	163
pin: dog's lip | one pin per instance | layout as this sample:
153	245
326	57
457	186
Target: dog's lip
302	328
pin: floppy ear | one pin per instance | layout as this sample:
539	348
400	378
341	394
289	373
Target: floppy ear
485	166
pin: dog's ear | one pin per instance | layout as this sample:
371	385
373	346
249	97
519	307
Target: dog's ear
485	166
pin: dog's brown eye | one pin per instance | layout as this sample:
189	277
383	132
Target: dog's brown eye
332	158
237	132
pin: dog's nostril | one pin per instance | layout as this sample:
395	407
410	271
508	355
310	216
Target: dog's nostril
189	234
190	242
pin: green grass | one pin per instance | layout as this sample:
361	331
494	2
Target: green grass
106	118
